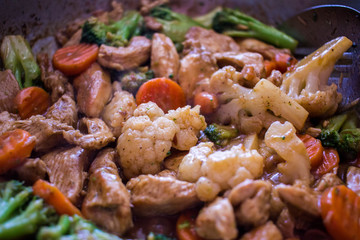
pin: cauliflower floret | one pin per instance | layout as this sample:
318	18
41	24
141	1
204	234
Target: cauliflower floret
248	108
144	144
149	109
190	123
119	110
307	84
282	138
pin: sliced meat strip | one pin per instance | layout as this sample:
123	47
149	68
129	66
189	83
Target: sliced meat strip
6	121
64	110
32	170
9	88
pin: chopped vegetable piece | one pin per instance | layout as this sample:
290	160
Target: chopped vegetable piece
340	211
158	236
15	147
55	198
284	62
132	81
166	93
75	59
17	56
313	148
220	134
269	67
32	101
228	20
207	19
208	102
185	226
116	34
330	160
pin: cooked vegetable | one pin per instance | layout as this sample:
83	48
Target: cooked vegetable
15	147
237	24
32	101
307	82
18	216
219	134
340	212
207	19
132	81
55	198
341	132
17	56
116	34
166	93
330	160
75	59
208	102
185	226
73	227
158	236
174	25
313	148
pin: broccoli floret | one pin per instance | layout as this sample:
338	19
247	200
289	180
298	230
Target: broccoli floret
237	24
207	19
174	25
219	134
158	236
73	228
132	80
342	133
116	34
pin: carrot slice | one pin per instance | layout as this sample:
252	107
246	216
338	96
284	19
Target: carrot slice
330	160
75	59
208	102
340	211
54	197
166	93
185	226
314	149
284	62
269	67
15	147
32	101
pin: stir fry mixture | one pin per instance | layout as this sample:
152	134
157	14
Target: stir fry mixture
152	124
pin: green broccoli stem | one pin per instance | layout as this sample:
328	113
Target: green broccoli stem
336	122
56	231
27	222
9	206
206	19
351	121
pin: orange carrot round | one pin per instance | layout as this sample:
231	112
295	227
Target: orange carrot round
75	59
54	197
314	149
166	93
15	147
284	62
269	67
340	211
185	226
32	101
208	102
330	160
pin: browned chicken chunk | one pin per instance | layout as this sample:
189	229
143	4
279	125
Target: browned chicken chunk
164	57
32	170
66	169
268	231
64	110
123	58
155	195
9	88
107	202
93	90
6	121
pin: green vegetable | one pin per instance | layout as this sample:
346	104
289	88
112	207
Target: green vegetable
219	134
207	19
237	24
21	213
116	34
174	25
157	236
342	133
73	228
17	56
132	81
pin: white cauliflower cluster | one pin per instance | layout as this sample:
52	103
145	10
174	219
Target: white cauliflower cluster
147	137
219	170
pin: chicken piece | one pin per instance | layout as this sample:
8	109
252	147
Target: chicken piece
276	78
93	90
161	195
251	201
107	202
64	110
147	5
75	38
66	169
152	24
68	31
211	41
194	68
97	136
267	51
286	224
217	221
9	88
164	57
6	121
124	58
353	179
268	231
326	181
110	16
120	109
173	161
144	144
53	80
190	123
32	170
